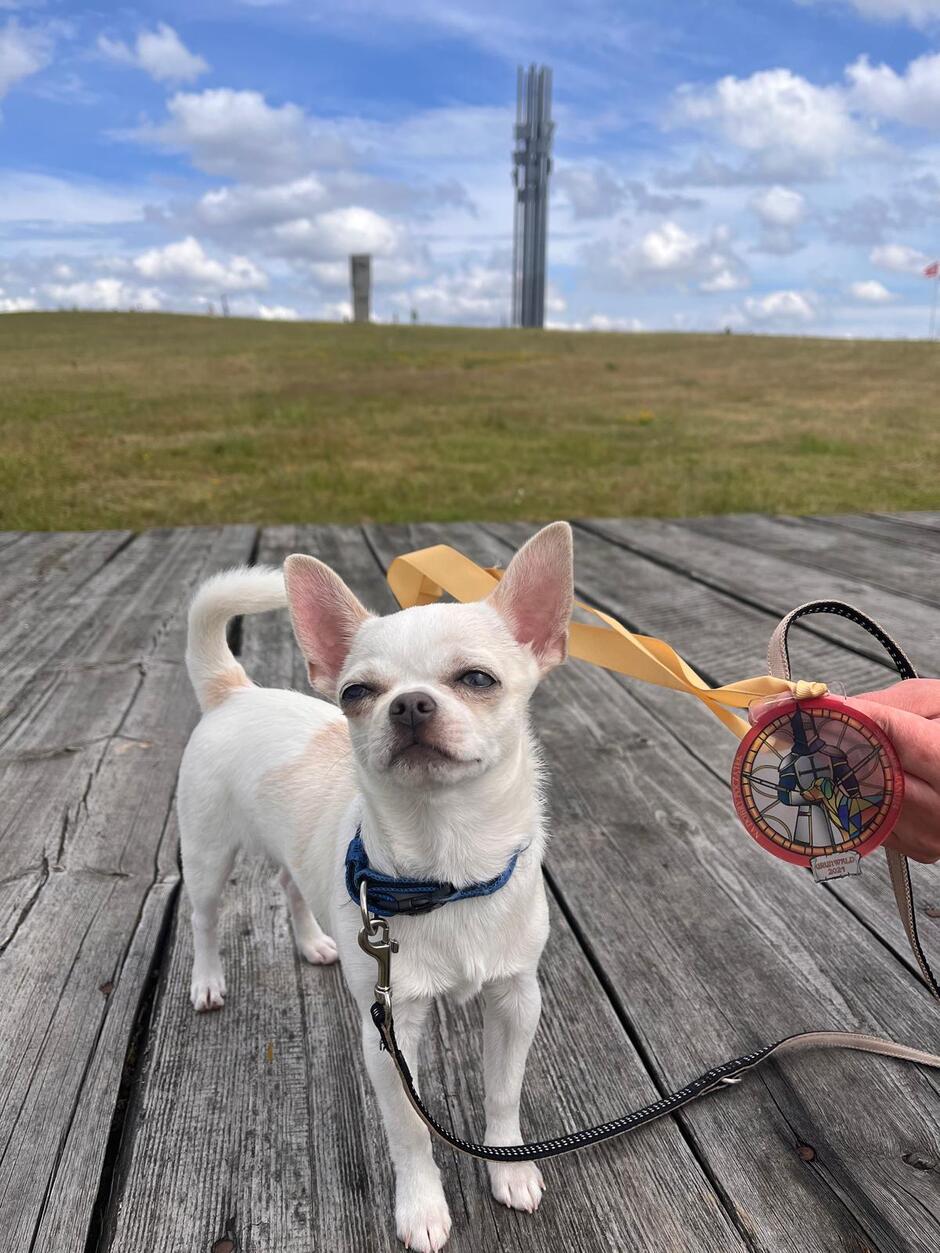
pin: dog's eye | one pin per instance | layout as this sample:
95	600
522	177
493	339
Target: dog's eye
477	678
354	692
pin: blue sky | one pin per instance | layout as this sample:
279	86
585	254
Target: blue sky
771	166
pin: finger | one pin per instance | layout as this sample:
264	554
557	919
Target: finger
916	740
918	696
915	847
917	833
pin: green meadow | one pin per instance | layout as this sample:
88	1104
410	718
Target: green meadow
135	420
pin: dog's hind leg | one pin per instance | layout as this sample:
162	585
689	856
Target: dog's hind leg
313	944
208	854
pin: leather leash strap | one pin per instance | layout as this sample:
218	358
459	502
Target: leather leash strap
670	671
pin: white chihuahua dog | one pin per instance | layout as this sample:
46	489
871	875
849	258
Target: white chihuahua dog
431	760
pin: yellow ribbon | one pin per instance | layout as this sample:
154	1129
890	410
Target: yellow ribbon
422	577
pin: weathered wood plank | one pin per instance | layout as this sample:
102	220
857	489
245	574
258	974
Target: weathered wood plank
68	1206
908	573
88	834
719	623
917	530
34	562
63	1039
110	618
775	584
89	665
213	1145
721	947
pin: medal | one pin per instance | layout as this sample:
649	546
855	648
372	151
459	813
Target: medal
817	783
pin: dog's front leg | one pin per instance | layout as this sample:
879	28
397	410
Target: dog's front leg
511	1015
421	1214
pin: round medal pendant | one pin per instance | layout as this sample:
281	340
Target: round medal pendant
817	779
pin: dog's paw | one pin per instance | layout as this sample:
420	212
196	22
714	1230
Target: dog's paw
320	952
423	1225
207	992
517	1184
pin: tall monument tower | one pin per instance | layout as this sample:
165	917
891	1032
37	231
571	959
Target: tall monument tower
532	165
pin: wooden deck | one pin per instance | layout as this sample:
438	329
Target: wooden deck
129	1123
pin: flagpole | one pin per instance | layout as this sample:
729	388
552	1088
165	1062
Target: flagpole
932	271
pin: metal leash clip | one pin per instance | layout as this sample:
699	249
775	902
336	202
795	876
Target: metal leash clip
374	939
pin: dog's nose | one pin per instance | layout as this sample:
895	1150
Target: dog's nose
410	708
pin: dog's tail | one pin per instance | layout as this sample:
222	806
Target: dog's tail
211	664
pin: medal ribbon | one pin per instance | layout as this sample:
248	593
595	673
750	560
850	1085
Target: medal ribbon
422	577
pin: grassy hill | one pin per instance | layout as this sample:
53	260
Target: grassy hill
140	419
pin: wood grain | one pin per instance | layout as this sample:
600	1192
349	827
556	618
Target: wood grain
88	846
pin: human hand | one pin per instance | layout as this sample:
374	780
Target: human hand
909	714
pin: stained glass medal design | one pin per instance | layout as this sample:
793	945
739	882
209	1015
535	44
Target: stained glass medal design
817	783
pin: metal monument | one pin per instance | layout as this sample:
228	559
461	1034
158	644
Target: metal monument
532	165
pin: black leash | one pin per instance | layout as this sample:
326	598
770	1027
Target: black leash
374	939
729	1073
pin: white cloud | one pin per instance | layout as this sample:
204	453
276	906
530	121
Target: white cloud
277	313
912	97
475	294
262	205
601	322
237	134
105	293
23	51
160	53
667	248
789	125
338	232
187	263
781	307
16	304
900	258
671	255
780	211
870	291
337	311
780	206
723	279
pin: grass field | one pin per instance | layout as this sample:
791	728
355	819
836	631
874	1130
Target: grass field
114	420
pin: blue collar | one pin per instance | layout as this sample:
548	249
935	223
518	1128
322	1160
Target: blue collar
388	896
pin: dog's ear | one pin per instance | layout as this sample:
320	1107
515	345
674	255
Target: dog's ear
326	616
536	593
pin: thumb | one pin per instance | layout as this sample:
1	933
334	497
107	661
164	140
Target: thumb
916	740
